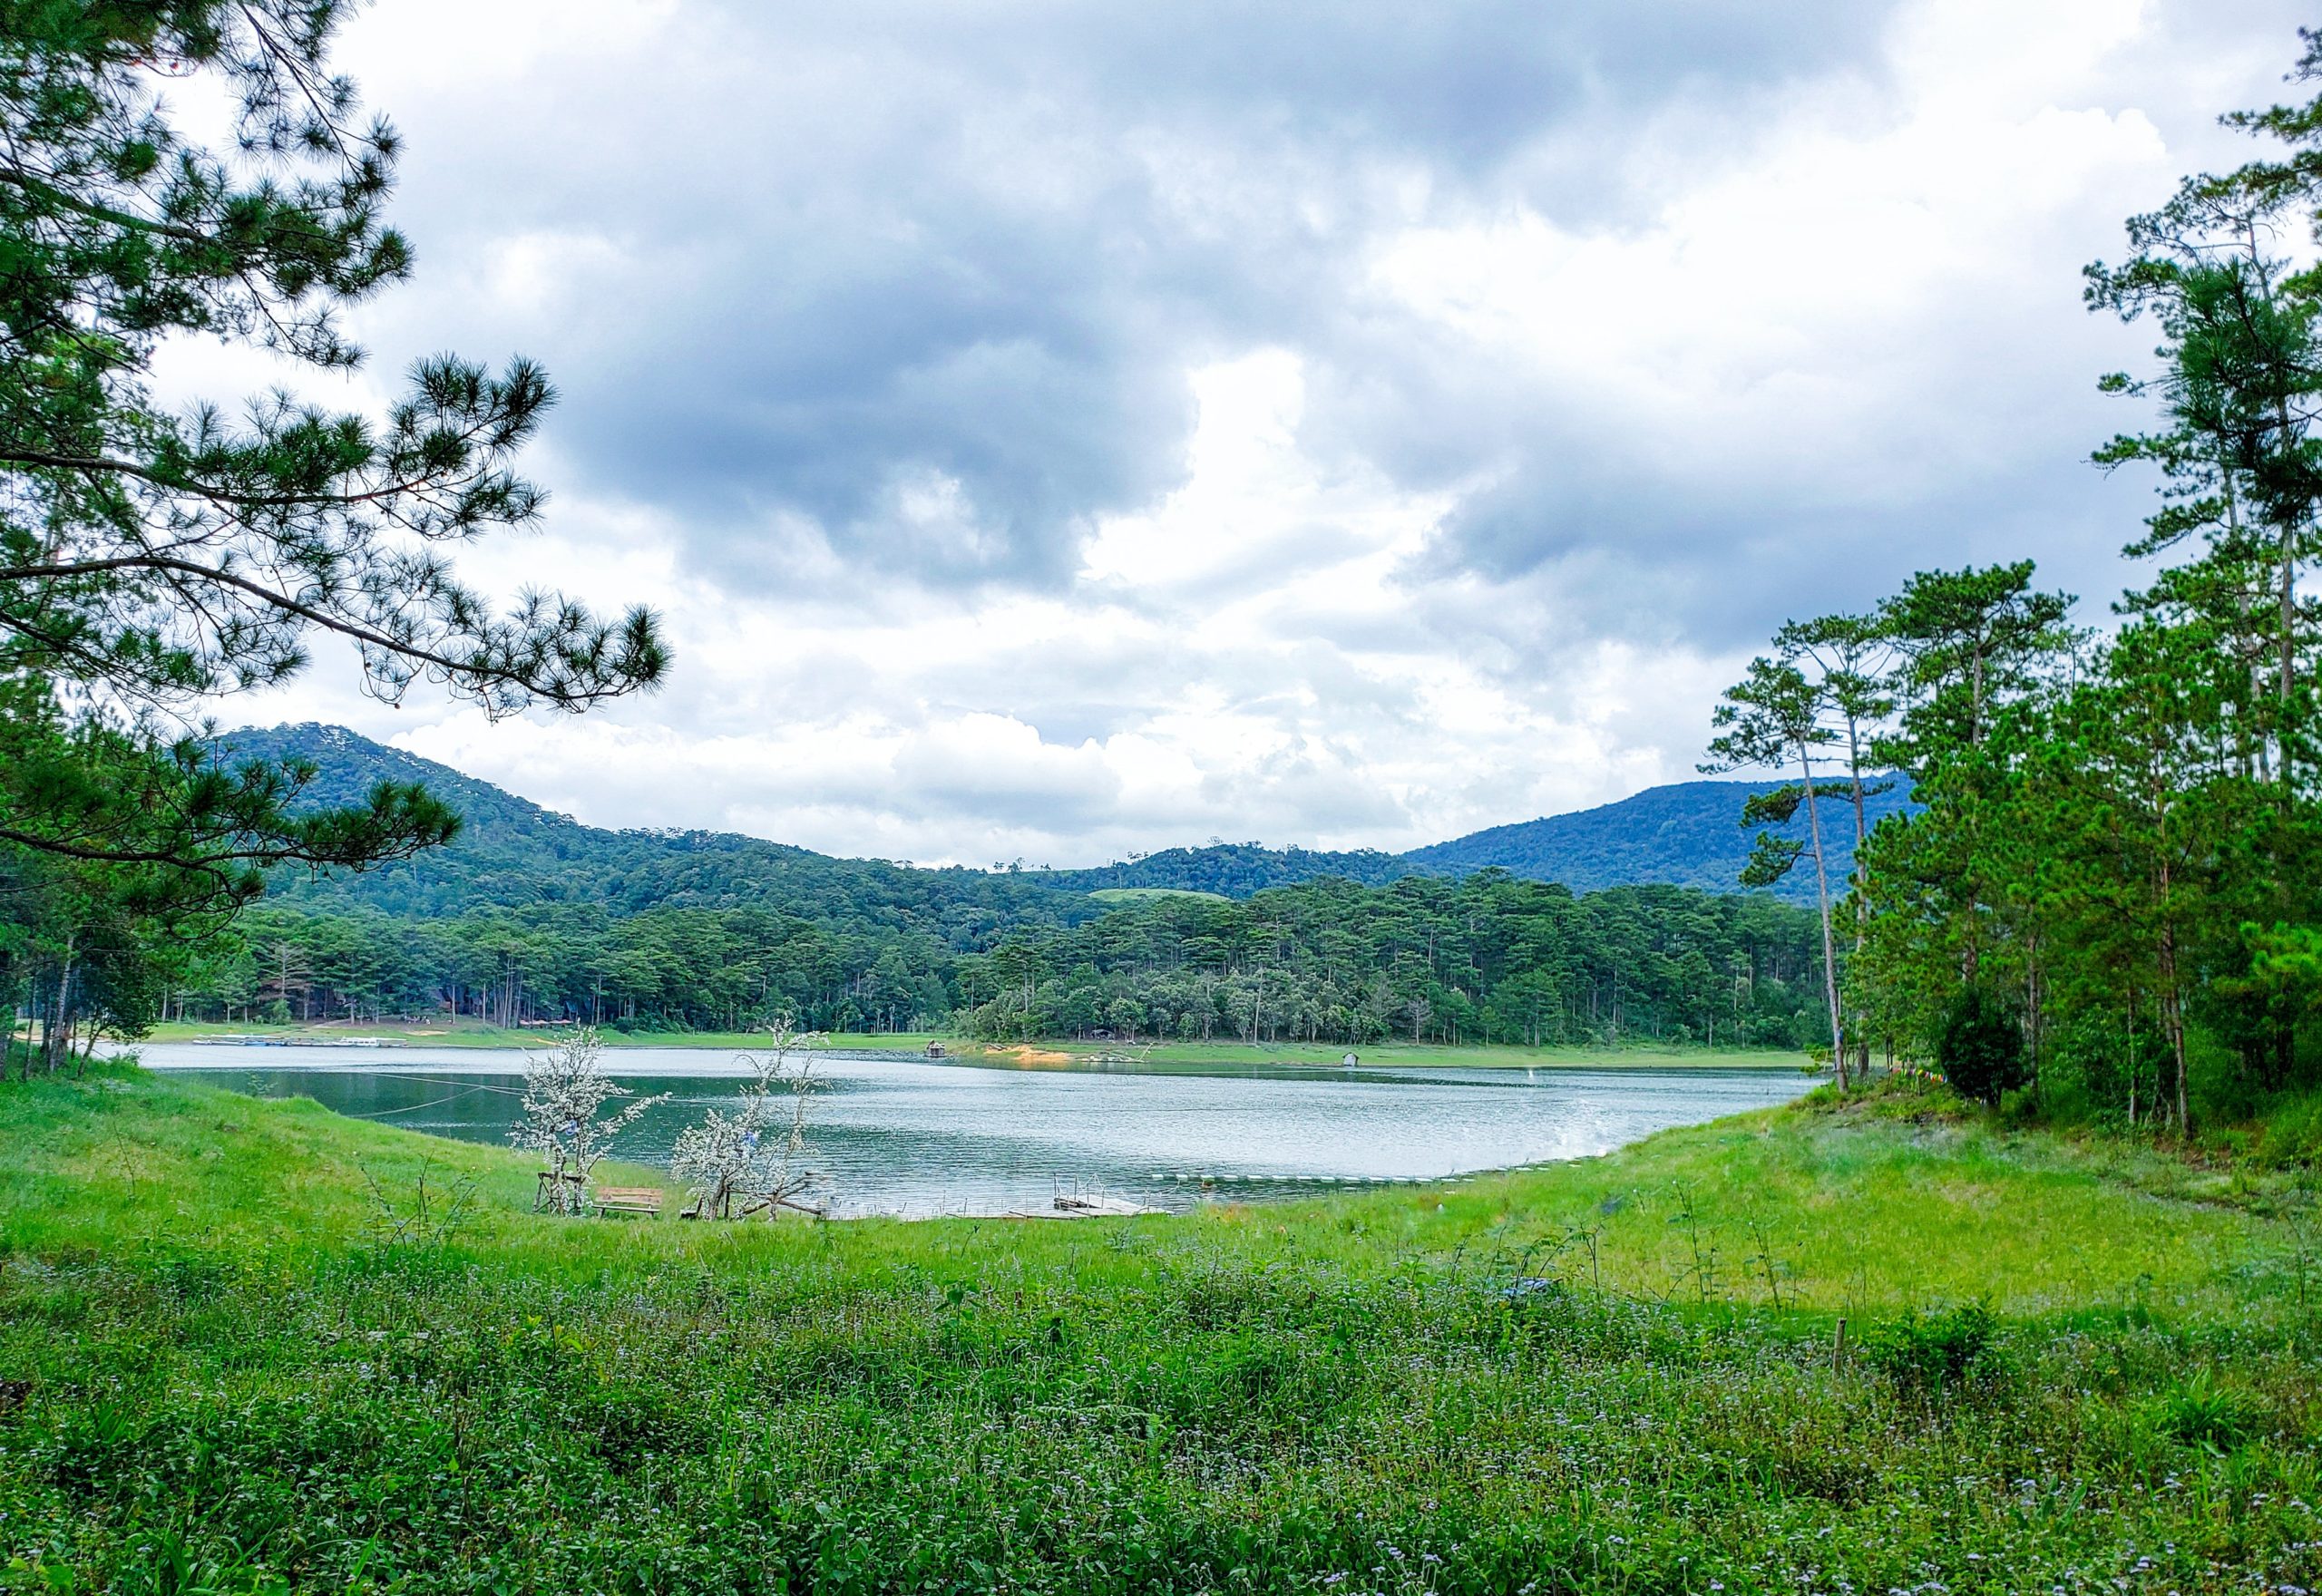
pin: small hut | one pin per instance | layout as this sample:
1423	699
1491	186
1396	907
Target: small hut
936	1050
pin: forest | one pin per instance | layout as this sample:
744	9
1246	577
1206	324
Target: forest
1485	959
529	917
2105	900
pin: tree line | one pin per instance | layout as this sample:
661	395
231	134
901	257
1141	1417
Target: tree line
1485	959
2106	897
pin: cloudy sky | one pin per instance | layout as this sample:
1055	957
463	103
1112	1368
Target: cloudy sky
1058	430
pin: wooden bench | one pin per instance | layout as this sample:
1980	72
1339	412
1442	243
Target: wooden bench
642	1201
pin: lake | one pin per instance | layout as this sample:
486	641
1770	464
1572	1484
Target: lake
914	1137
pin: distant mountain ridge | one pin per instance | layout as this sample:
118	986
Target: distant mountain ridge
1686	834
515	851
1683	834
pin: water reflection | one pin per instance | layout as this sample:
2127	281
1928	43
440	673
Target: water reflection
917	1137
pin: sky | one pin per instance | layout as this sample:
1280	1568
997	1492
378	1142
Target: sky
1050	432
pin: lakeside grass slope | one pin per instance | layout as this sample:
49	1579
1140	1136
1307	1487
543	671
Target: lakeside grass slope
238	1358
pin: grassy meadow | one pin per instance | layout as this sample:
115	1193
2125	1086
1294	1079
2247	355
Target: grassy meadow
249	1345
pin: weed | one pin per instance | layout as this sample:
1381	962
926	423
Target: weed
2198	1411
428	1220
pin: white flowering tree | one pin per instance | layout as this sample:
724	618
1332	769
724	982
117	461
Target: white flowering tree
751	1159
566	1089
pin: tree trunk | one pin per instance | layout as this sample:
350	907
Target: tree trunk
1822	894
2172	1022
1854	876
2172	1018
2032	999
54	1038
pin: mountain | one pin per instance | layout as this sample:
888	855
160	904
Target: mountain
1687	834
1237	870
515	852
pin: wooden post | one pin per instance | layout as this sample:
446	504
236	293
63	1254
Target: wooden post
1839	1350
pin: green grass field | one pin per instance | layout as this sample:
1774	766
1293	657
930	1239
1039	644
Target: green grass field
237	1354
468	1033
464	1033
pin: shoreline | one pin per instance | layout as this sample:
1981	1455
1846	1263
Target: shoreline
334	1308
1032	1055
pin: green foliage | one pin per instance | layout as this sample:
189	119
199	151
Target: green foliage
169	558
1934	1356
1485	959
2117	838
1980	1048
1232	869
2199	1411
183	829
1145	894
153	562
2290	1133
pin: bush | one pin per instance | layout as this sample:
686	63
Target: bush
1981	1048
2292	1129
1932	1356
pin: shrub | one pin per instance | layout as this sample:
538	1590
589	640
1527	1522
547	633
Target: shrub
1981	1047
1931	1355
2293	1130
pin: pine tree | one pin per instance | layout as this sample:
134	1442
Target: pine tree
153	562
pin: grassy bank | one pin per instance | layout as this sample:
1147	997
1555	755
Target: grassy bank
1406	1054
464	1033
236	1352
468	1033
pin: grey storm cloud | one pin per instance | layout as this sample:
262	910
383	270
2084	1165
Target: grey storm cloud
914	287
1056	429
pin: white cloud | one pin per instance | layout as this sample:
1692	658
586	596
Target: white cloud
1038	458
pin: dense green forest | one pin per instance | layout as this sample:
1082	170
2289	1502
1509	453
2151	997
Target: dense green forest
530	916
510	853
1485	959
2106	899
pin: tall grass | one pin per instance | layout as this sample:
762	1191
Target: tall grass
243	1358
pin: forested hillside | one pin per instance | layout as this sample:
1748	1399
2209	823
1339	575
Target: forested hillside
529	915
1485	959
513	851
1237	870
1687	834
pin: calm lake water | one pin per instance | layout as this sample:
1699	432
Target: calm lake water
908	1136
